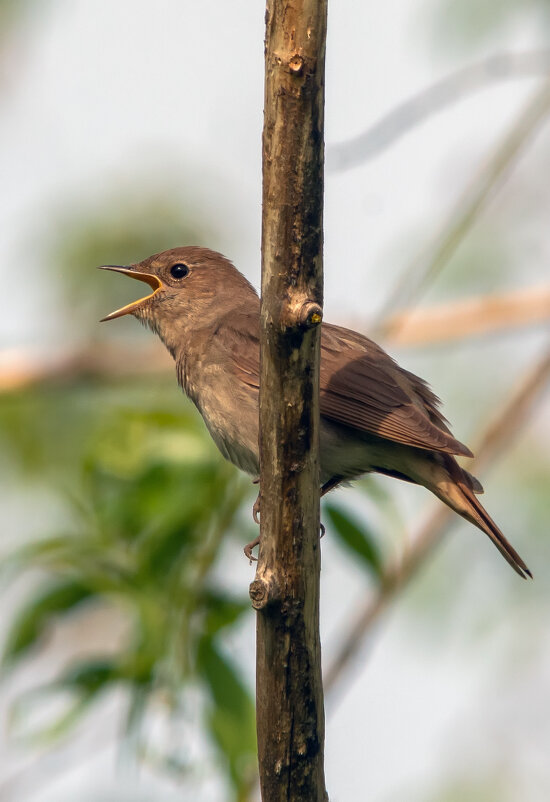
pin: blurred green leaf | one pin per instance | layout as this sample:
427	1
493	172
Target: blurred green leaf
78	686
357	538
222	610
147	500
32	621
90	676
58	726
231	718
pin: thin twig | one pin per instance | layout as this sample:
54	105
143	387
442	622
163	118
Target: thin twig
444	93
472	317
416	277
496	437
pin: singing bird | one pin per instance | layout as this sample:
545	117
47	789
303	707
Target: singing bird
375	416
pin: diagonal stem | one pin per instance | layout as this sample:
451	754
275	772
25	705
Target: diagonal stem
415	278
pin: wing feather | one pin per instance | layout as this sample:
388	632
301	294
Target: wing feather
361	386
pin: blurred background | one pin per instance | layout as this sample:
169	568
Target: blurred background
127	634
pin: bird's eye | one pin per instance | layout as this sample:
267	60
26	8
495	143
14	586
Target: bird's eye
179	271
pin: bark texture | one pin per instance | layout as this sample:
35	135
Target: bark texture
286	589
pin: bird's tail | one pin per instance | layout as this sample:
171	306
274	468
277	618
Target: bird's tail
458	493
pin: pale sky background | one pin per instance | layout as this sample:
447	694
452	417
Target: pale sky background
96	92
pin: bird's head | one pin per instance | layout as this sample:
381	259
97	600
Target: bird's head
191	287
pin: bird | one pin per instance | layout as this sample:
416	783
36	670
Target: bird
376	417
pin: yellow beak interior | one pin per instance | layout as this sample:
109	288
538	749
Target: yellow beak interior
153	281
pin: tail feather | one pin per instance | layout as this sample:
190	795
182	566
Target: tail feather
461	497
479	516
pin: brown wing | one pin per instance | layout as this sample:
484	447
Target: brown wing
239	342
362	387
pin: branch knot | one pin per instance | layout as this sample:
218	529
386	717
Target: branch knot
264	591
310	314
296	64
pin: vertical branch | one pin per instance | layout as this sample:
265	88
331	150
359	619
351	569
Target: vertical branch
285	592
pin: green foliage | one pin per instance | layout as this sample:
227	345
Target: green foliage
142	501
357	537
147	500
34	617
231	712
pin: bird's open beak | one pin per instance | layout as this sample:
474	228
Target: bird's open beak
153	281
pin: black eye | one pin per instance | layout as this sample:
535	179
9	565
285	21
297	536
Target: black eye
179	271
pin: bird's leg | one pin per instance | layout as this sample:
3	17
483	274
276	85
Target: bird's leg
333	482
253	543
256	509
248	549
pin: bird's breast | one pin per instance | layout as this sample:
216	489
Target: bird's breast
230	411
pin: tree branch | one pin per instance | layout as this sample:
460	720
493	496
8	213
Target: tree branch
289	694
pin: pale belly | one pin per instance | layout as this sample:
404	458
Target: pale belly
236	452
233	425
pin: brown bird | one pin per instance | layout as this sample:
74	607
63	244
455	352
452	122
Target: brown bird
375	416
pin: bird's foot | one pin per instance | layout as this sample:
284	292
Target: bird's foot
248	549
253	543
256	510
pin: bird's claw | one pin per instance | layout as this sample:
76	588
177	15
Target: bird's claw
256	510
248	549
253	543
